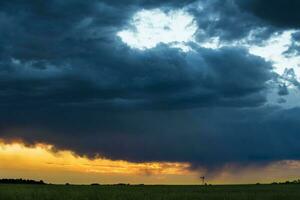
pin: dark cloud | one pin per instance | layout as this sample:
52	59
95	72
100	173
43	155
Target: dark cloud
224	19
161	77
205	137
82	62
294	49
283	90
68	80
282	13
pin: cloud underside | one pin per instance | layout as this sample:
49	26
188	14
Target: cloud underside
68	80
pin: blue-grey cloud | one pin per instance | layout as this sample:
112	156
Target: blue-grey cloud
281	13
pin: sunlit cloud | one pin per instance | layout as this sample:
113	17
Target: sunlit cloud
148	28
274	49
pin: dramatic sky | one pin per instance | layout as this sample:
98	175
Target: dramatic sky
150	91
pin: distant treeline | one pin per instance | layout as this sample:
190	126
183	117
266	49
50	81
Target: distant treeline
21	181
289	182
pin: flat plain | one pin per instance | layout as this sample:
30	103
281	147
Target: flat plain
104	192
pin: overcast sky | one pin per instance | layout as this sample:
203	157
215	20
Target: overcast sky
207	82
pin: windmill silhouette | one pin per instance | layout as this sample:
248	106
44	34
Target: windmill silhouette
203	179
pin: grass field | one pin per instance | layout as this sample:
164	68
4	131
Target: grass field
57	192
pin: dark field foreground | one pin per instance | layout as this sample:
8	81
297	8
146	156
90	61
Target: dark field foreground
56	192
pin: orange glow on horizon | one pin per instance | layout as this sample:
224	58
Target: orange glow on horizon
42	159
44	162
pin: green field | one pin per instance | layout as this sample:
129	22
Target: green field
57	192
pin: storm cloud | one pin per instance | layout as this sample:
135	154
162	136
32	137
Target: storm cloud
67	79
280	13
